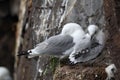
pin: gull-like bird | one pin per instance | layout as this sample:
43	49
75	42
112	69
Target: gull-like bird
60	45
4	74
96	48
90	46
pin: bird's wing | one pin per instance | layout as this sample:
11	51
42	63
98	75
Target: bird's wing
91	55
84	43
80	49
55	45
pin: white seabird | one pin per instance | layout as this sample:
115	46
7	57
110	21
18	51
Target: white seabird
87	48
97	46
4	74
60	45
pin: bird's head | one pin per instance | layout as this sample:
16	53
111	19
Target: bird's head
92	29
70	28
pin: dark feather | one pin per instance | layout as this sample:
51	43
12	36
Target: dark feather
87	50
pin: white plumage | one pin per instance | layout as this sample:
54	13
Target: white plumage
60	45
83	42
97	46
72	42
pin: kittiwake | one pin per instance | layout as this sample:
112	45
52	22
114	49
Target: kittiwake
60	45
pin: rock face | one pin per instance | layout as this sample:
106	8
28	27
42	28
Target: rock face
112	10
46	18
80	72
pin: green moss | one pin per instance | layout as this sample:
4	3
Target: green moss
54	62
51	66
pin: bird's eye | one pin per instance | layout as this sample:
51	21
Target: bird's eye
95	32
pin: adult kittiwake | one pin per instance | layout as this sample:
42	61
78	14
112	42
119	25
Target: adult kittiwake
60	45
90	46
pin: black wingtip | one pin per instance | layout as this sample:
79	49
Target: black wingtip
20	53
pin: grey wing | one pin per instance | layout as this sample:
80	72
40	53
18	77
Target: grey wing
56	45
91	55
96	47
83	44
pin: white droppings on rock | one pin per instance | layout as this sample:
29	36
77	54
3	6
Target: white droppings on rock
40	71
50	2
110	70
96	75
68	7
26	26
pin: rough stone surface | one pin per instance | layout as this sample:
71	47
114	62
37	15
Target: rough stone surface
46	19
112	12
80	72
